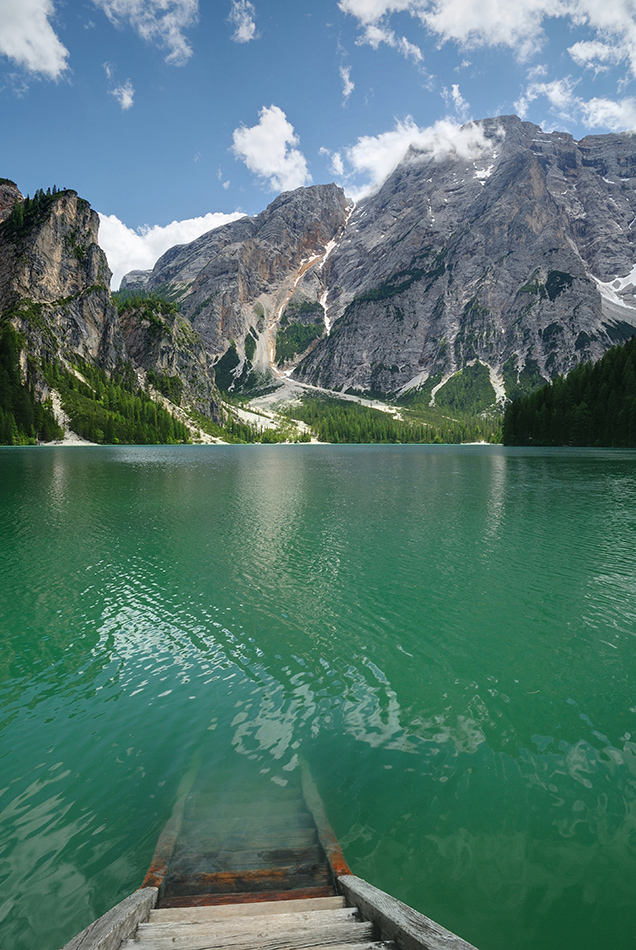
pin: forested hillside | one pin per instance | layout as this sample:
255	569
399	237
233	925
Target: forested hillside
595	405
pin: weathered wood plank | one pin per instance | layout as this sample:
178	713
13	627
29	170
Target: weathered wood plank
209	804
234	790
227	912
118	924
302	936
210	900
246	824
397	921
254	923
326	834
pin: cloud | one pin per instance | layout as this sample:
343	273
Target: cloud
139	250
242	19
347	85
597	113
369	11
456	101
266	150
336	165
27	37
374	34
375	156
124	95
518	26
609	114
157	21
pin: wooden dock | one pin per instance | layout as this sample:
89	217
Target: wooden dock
257	868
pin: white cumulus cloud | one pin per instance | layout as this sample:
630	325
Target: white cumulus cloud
124	94
336	165
27	37
615	115
161	22
242	19
518	25
267	150
375	156
127	249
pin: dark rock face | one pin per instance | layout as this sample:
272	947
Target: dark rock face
54	288
162	342
54	281
239	277
497	258
9	194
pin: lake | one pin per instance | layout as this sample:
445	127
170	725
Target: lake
446	634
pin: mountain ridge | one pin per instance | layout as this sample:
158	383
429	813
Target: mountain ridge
503	251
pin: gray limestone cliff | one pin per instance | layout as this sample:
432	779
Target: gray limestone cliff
54	289
54	281
235	282
509	257
9	194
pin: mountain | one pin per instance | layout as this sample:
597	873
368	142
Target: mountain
510	255
235	283
54	278
59	323
506	256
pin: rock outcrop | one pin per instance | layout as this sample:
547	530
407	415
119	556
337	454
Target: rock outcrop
9	194
54	289
54	281
161	341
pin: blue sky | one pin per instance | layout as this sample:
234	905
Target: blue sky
170	115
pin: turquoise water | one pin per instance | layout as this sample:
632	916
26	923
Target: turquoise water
445	633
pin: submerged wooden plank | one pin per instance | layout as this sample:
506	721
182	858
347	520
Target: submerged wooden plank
206	804
326	834
209	900
266	909
275	823
246	860
261	839
397	921
169	836
262	879
118	924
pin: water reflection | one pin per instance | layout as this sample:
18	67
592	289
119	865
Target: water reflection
445	634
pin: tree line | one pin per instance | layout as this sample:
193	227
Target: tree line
24	420
594	405
114	410
344	421
25	214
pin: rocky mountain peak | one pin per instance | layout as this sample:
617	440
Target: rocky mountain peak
502	245
54	278
235	282
499	256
